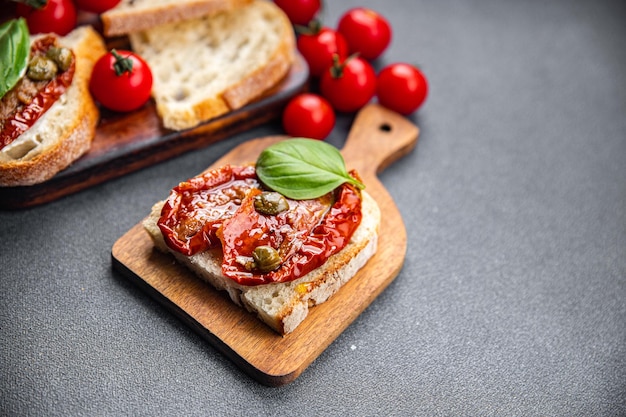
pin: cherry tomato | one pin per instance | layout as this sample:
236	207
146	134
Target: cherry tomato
366	31
96	6
310	116
349	85
57	16
318	45
300	12
402	88
121	81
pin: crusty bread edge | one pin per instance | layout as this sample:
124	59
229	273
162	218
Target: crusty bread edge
321	284
248	89
251	87
122	21
313	288
79	129
267	76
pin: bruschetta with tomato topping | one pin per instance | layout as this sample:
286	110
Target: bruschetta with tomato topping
48	118
273	255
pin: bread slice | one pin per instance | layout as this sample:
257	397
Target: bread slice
283	306
137	15
204	68
66	130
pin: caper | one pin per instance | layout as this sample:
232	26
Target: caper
61	56
266	258
41	68
271	203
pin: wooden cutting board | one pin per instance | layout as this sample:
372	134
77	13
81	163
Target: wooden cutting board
378	138
127	142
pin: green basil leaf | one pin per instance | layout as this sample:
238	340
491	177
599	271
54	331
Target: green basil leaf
302	168
15	47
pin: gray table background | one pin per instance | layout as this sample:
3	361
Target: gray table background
512	299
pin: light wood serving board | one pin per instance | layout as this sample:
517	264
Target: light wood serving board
378	138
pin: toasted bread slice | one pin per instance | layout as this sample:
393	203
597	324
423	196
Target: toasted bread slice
283	306
137	15
66	130
204	68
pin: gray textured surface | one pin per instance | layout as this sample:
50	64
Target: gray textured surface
512	300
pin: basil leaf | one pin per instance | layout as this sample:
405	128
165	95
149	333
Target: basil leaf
302	168
15	47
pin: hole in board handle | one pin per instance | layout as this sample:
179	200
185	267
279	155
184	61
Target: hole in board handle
385	127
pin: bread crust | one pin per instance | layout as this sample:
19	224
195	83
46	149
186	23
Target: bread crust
74	133
124	18
179	115
283	306
264	78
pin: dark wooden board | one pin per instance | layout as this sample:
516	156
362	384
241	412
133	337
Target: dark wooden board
125	143
377	138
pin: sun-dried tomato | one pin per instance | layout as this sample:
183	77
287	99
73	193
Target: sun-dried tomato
217	208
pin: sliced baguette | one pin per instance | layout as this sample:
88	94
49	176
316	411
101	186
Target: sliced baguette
283	306
204	68
66	130
137	15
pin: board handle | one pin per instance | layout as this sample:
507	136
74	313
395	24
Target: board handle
378	137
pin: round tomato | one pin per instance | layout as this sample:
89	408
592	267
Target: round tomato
300	12
402	88
319	45
366	31
121	81
349	85
310	116
96	6
57	16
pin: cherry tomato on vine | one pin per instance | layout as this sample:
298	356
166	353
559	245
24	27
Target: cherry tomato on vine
310	116
121	81
96	6
349	85
402	88
366	31
318	45
57	16
300	12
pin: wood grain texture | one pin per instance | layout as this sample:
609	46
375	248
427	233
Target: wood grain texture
127	142
377	138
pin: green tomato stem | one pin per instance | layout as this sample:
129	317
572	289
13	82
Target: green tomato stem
121	64
36	4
